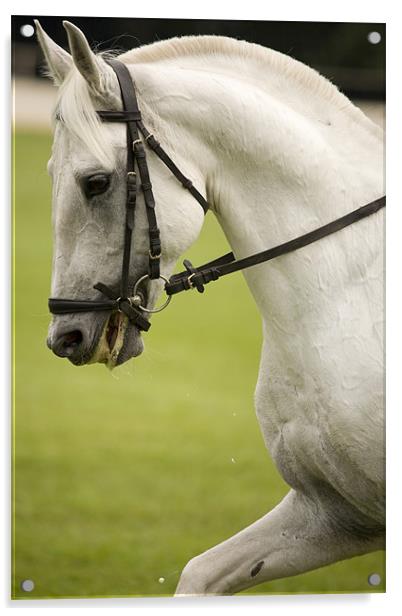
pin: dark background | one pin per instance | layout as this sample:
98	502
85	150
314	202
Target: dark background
340	51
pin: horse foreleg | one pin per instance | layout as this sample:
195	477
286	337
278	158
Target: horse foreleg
295	537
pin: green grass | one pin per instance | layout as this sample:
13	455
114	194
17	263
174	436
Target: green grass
120	478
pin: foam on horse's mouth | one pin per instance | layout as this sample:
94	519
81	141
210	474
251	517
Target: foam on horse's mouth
111	340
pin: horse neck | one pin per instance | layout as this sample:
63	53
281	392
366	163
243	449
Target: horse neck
279	158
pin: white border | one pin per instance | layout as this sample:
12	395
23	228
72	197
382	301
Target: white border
304	10
286	10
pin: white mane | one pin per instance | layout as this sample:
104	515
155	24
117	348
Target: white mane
205	47
76	107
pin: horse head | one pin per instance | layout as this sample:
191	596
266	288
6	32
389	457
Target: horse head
88	169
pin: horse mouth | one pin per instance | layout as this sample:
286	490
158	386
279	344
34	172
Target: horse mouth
112	329
118	342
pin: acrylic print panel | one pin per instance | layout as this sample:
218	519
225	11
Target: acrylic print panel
121	477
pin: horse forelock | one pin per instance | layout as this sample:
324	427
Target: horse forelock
76	109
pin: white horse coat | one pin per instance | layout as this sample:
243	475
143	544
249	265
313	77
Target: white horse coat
278	151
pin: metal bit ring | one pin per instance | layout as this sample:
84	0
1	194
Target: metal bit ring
143	308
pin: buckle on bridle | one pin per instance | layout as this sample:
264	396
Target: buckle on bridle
191	285
192	271
154	257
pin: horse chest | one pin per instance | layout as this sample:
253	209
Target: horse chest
292	433
314	441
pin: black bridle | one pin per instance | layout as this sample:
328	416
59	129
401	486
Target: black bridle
192	277
131	304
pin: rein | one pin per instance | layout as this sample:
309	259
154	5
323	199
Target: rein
192	277
197	277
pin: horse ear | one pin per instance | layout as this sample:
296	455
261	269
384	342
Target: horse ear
59	62
84	58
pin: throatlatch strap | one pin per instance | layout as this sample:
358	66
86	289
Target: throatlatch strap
165	158
128	116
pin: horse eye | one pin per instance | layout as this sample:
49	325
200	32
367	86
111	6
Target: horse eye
96	184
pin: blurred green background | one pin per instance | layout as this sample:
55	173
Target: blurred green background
121	477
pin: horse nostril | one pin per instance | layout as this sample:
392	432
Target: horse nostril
67	344
72	338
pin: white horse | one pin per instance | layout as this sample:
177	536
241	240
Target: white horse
278	151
